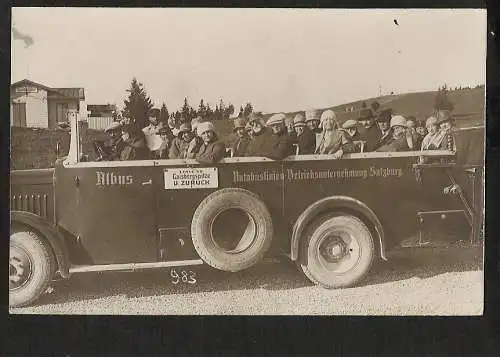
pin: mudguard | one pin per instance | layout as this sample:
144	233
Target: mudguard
50	233
335	203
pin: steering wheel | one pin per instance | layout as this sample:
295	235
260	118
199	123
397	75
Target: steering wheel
99	150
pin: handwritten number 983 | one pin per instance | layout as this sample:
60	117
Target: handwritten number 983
186	277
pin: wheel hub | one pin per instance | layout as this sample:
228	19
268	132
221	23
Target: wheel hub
333	249
19	268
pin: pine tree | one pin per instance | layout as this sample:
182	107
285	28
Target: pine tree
240	114
441	101
202	109
229	110
164	115
209	114
138	104
187	111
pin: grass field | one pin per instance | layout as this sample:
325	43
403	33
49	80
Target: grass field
35	148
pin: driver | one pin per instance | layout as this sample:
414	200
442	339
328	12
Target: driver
111	148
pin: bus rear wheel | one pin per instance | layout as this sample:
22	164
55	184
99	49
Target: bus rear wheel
337	251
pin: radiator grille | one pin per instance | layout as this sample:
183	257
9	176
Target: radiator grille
34	203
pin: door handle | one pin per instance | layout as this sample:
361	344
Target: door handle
147	182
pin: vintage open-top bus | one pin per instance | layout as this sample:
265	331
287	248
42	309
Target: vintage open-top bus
333	217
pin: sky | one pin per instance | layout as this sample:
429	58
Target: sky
277	59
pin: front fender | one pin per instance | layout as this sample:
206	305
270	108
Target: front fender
50	233
333	203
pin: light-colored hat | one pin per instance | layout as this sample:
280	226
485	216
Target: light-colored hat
398	120
351	123
312	114
185	127
432	120
328	115
205	126
113	126
239	123
299	120
276	119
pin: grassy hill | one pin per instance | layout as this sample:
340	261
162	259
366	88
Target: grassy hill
35	148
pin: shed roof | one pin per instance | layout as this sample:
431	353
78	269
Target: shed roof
75	92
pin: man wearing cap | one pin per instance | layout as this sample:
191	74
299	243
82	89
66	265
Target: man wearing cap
112	147
305	138
134	147
152	131
211	149
368	131
384	125
241	140
397	140
179	146
351	134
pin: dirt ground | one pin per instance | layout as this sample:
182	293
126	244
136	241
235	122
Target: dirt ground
425	281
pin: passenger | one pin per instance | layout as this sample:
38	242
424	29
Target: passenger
421	132
240	143
249	131
178	149
172	126
411	133
152	132
332	138
113	146
313	123
195	122
134	147
270	139
305	138
368	131
211	149
166	141
383	121
351	134
397	141
260	134
445	139
289	126
429	142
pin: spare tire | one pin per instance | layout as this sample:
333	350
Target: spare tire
232	229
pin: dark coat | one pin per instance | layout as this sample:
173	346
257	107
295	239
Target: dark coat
134	149
269	145
240	145
394	144
209	153
371	135
384	139
306	142
178	149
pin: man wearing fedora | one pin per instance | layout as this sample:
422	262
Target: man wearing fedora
369	133
445	140
384	126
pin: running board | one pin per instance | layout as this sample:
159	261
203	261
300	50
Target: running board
132	266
